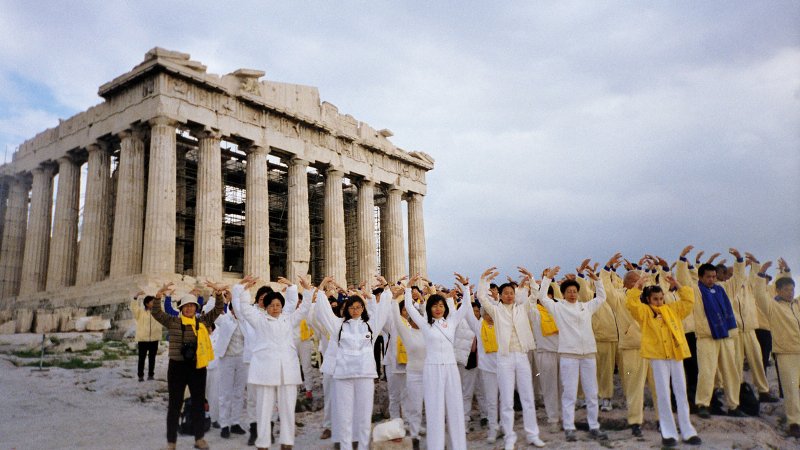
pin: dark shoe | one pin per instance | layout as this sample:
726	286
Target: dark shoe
326	434
141	379
794	430
225	433
767	397
286	447
150	378
669	442
736	413
415	443
636	430
702	411
598	434
253	434
570	436
215	424
236	429
484	422
694	440
272	430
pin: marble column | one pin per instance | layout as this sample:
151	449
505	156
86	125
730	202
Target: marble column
37	237
333	231
208	209
4	189
298	251
256	214
365	212
64	243
93	251
395	255
126	244
417	255
13	247
158	252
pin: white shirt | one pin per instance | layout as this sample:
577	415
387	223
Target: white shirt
440	335
574	321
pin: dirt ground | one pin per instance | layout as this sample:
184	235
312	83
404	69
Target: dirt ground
107	408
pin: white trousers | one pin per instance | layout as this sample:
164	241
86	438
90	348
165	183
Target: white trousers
353	417
571	370
304	351
232	381
212	392
327	398
663	370
469	379
514	369
396	387
443	397
413	408
252	408
490	392
549	383
286	396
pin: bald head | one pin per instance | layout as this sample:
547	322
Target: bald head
630	279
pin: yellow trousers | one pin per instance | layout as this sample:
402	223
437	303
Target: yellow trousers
747	347
634	371
789	373
713	354
606	360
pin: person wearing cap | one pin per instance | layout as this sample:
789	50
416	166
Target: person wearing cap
186	329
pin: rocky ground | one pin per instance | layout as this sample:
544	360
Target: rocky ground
90	398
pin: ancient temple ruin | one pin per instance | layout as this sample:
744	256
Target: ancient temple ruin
191	176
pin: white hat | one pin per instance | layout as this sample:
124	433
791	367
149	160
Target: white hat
186	299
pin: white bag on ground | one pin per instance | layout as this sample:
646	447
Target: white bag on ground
386	431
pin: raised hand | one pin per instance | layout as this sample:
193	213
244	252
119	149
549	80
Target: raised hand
167	289
249	281
381	281
782	266
749	256
414	280
304	282
551	272
584	264
628	265
766	266
489	273
712	258
461	279
614	260
591	274
686	250
697	258
284	281
673	283
735	253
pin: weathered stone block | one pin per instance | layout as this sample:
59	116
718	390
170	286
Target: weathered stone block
45	322
96	323
74	344
8	327
6	315
24	319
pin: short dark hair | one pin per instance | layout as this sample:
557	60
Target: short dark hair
780	283
434	299
721	267
550	290
147	300
416	288
377	291
567	283
272	296
492	286
706	268
648	291
349	302
506	285
263	290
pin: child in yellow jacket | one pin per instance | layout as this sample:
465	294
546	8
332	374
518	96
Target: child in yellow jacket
664	344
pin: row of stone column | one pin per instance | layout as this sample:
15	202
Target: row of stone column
32	261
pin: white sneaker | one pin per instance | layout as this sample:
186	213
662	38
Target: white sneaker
536	442
605	405
491	436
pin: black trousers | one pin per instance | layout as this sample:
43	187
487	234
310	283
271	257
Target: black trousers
691	369
179	375
147	349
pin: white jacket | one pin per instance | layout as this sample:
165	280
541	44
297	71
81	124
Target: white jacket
487	362
574	321
355	354
543	343
506	317
440	335
463	339
274	361
413	341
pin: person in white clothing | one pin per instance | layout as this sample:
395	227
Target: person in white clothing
514	340
465	344
440	377
274	367
413	343
232	376
395	372
576	349
355	371
326	368
483	327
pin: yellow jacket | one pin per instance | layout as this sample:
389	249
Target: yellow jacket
147	328
662	335
604	322
630	334
784	319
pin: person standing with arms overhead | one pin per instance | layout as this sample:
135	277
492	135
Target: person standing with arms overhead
148	333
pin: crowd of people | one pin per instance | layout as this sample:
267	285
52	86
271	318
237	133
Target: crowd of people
685	330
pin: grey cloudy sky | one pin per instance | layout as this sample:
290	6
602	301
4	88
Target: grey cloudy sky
561	130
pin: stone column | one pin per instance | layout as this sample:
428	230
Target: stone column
395	257
158	253
333	233
417	255
208	209
64	243
13	248
298	251
256	214
367	254
126	245
37	238
4	189
94	238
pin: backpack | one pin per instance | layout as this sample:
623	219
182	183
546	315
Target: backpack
185	425
748	400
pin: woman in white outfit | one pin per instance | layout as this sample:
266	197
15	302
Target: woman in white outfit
355	372
414	344
443	394
274	367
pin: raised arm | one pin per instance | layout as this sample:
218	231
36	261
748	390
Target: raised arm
240	298
413	314
301	313
382	310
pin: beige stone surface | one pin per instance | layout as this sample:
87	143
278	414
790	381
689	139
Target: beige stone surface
64	242
97	323
298	252
37	238
24	319
8	327
13	244
395	252
94	240
417	253
126	247
334	238
365	212
158	256
256	227
45	321
208	218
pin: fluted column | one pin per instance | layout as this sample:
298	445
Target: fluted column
158	253
4	190
208	209
37	237
395	255
367	254
93	255
126	244
64	243
417	255
333	232
13	248
298	251
256	215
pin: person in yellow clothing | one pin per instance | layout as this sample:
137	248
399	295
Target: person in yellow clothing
148	333
664	344
783	313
